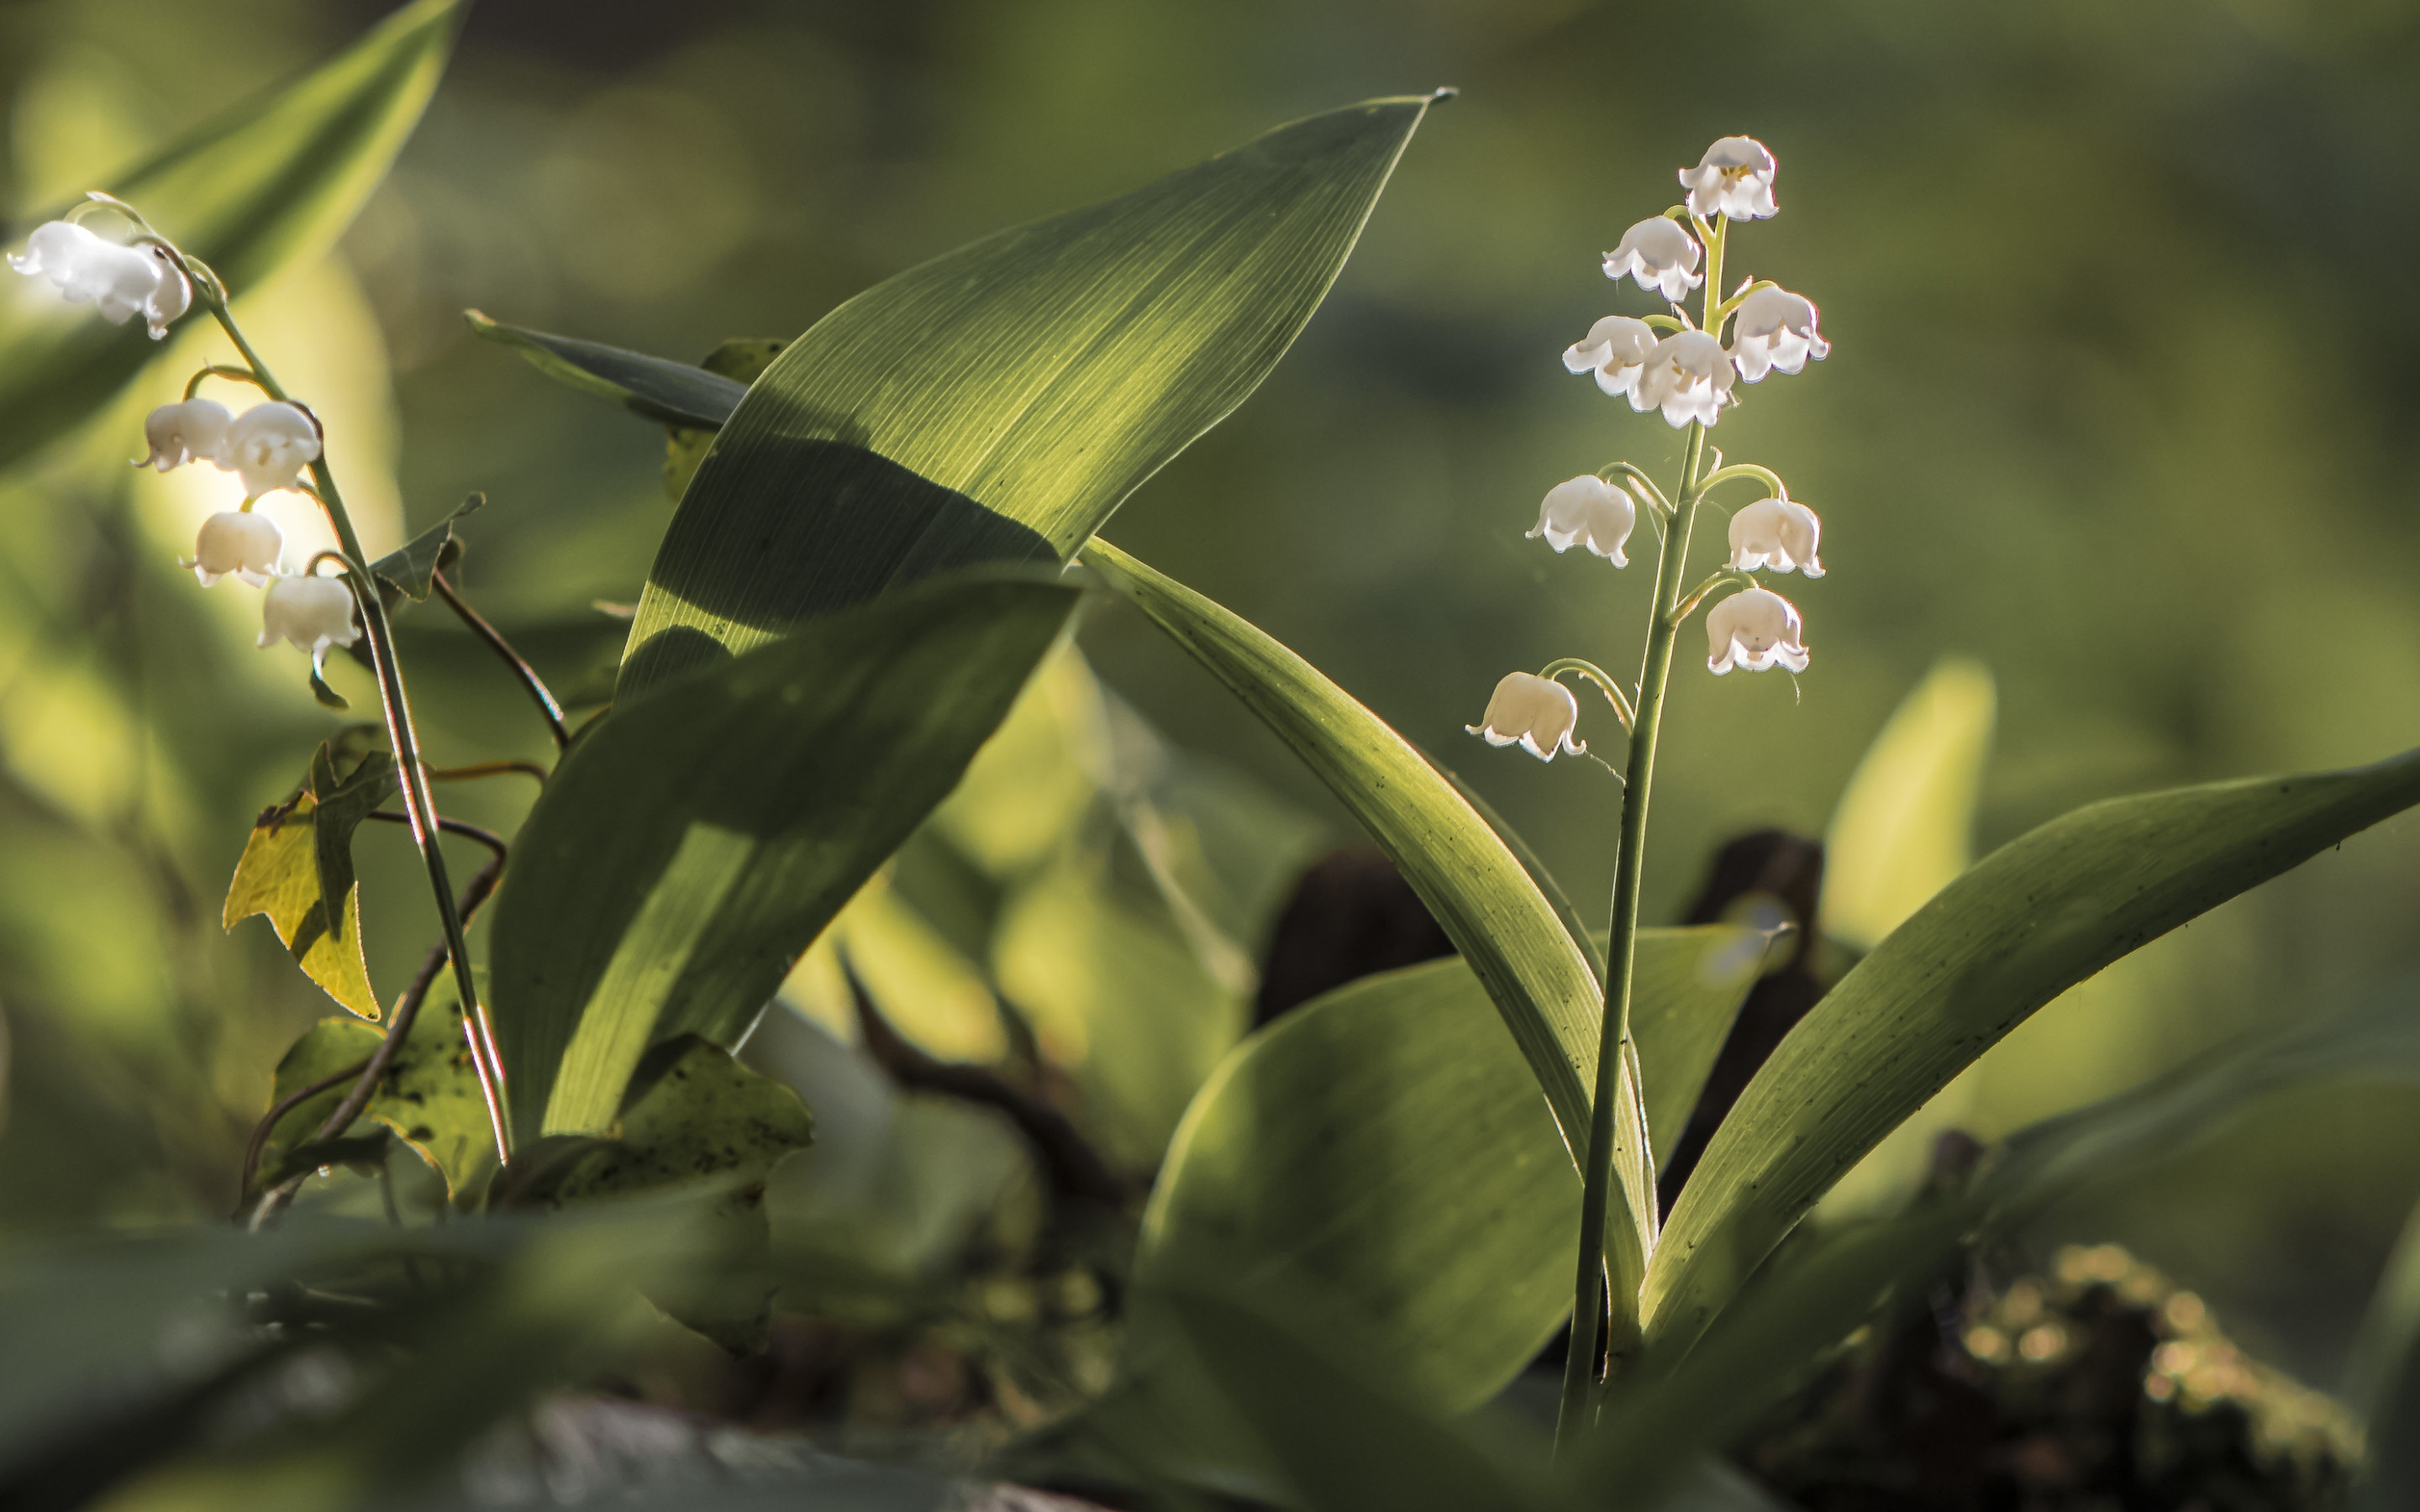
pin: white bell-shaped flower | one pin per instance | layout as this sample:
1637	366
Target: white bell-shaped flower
312	612
1689	376
1615	349
1755	629
195	431
121	282
268	444
234	544
1587	511
1776	334
1660	256
1734	177
1781	534
1536	713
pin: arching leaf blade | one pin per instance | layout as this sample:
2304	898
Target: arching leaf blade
1541	981
2033	919
694	842
999	402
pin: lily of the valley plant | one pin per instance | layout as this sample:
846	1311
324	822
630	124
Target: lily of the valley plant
1690	371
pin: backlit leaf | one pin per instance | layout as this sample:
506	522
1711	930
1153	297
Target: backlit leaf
297	869
653	387
692	844
997	403
1905	822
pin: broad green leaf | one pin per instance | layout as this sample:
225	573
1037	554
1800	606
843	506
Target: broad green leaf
1541	981
2032	919
1905	822
1386	1146
270	183
409	568
694	842
653	387
428	1096
1692	1393
297	869
997	403
692	1113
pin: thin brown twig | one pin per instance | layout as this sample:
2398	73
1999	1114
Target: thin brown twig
278	1110
548	708
479	769
489	838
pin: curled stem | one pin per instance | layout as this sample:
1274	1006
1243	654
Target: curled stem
479	769
1594	674
211	370
277	1110
1730	306
548	710
1739	471
1696	596
1645	485
1668	322
489	838
419	803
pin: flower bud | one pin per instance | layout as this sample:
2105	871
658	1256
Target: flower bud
1776	334
1734	179
1756	629
1614	349
268	444
1659	255
194	431
1689	376
312	612
1538	712
236	544
1779	534
120	281
1587	511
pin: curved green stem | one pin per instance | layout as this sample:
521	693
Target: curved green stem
1646	484
210	370
420	804
1696	596
1745	471
1666	322
1611	1266
1730	306
1594	674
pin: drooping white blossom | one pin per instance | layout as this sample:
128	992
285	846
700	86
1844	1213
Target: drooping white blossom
121	282
1781	534
1659	255
312	612
1614	349
1587	511
1689	376
234	544
1776	334
268	445
194	431
1536	713
1734	177
1755	629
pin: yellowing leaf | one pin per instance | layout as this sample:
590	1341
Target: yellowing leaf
279	876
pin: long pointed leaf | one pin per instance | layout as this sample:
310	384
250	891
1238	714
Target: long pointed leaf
997	403
272	181
691	845
2032	919
1542	981
652	388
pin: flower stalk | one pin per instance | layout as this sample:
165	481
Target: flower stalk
420	804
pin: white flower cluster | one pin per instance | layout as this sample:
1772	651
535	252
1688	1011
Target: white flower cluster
267	446
1687	373
121	281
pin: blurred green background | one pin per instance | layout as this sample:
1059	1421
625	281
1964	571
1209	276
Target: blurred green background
2122	336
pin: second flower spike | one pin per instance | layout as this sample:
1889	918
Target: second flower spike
1756	629
1535	713
1587	511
